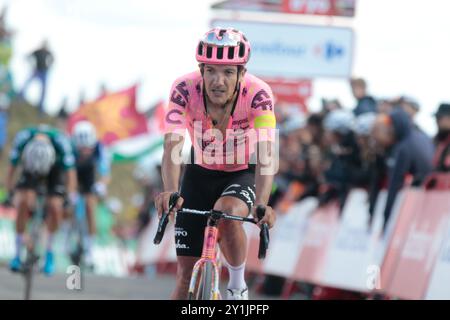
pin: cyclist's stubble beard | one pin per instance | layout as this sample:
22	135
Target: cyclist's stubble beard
231	88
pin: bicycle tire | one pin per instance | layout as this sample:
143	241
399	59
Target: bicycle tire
207	281
29	267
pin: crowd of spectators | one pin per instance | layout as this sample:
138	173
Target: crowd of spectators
375	145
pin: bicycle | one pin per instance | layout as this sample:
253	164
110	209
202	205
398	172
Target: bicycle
77	255
32	258
208	288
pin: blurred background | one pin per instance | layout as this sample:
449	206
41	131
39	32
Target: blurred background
328	62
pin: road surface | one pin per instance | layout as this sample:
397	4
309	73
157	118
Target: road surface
92	287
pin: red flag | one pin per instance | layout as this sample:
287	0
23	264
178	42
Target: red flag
114	115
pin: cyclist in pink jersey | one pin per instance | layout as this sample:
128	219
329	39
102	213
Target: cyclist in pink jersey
229	115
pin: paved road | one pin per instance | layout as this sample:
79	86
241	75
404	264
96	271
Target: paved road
93	287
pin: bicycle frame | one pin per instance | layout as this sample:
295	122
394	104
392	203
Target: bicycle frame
208	254
80	228
211	238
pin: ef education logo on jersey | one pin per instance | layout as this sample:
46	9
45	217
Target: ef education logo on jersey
180	95
262	101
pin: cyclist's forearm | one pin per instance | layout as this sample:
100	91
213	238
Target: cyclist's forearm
263	183
171	164
9	183
170	174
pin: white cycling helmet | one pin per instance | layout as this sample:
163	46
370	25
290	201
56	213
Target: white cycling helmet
84	134
340	121
147	170
364	123
38	157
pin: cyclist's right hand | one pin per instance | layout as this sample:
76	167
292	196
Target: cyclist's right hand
162	203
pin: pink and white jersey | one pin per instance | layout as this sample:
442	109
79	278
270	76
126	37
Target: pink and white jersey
253	120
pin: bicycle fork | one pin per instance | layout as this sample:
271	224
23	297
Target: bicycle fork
208	254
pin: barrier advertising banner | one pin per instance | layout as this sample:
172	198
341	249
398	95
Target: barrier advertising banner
355	259
287	238
424	236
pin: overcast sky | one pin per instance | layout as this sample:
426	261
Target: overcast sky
401	47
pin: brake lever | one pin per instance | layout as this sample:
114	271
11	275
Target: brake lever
165	218
263	234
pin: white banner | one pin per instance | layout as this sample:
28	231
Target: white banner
296	51
287	237
355	260
439	287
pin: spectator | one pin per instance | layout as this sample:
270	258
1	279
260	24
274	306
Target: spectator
372	173
410	105
343	156
385	106
6	94
408	151
43	59
62	116
365	103
103	90
147	174
315	127
330	105
300	155
441	160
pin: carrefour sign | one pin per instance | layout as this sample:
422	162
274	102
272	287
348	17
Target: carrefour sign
296	51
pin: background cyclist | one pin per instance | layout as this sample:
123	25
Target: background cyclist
93	175
45	156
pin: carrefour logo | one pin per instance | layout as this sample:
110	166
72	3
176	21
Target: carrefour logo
279	48
330	51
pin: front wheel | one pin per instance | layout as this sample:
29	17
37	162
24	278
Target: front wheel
204	288
207	281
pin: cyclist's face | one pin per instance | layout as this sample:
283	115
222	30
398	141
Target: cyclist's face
220	82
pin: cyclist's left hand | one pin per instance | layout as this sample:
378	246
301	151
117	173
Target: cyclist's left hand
73	199
269	216
100	189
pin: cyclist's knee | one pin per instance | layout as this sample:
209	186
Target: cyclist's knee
25	200
232	206
56	204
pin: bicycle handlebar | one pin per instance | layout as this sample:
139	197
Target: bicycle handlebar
260	212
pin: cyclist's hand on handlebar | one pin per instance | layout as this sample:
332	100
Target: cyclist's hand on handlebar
72	197
269	216
162	203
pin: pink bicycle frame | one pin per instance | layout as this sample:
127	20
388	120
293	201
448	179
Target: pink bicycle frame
208	254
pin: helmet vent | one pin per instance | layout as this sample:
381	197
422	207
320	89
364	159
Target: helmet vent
230	53
209	52
241	50
220	53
